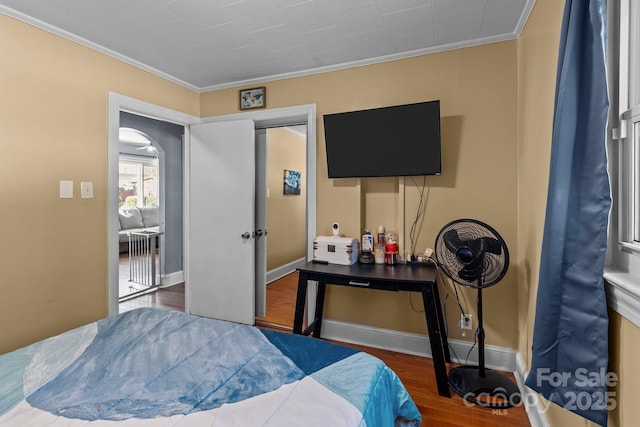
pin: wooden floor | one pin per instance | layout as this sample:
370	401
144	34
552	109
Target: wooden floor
415	372
281	299
171	298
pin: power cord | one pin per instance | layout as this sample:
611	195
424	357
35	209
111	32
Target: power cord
475	341
441	278
417	310
419	212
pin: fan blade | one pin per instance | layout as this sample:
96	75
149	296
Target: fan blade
464	253
452	241
483	245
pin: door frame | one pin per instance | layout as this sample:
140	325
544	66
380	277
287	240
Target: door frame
262	118
118	103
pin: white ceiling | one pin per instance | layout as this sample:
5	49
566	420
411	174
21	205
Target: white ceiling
211	44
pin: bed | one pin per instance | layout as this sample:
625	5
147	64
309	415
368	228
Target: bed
154	367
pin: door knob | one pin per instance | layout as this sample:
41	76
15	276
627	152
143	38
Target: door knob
258	233
245	235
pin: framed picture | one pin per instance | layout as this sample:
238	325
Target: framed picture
291	183
253	98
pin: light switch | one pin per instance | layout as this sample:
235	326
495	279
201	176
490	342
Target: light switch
66	189
86	190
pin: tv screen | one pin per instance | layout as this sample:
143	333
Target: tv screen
402	140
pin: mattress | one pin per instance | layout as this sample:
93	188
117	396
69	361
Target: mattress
153	367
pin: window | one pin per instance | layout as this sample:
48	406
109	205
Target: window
623	258
138	183
628	171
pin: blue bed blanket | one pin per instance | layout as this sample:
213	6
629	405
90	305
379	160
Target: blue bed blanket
164	368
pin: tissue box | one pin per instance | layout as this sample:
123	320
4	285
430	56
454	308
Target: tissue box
335	250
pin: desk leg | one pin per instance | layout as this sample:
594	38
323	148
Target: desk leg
441	326
435	338
301	300
319	309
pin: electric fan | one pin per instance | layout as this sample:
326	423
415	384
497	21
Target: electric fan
474	255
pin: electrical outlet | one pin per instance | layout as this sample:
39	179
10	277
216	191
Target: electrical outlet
465	321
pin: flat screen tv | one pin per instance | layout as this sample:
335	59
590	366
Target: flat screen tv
402	140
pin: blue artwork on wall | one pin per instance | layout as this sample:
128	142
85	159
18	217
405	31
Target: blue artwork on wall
291	182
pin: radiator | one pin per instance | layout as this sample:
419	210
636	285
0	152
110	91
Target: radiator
142	258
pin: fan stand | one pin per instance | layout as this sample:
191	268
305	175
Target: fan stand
479	385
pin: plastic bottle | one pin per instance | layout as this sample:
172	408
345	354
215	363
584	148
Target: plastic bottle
381	238
367	241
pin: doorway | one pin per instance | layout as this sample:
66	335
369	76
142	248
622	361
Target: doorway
150	194
281	190
262	118
286	199
138	212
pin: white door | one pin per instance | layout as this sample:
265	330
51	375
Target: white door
221	221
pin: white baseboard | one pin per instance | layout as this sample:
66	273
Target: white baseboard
172	279
500	358
277	273
535	411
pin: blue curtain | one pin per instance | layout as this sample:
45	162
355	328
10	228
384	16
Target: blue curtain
570	354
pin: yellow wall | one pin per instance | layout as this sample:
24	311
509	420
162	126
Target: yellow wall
624	339
477	89
286	214
53	126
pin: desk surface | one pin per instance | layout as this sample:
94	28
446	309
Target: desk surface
396	273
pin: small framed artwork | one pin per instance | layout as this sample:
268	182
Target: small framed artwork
253	98
291	183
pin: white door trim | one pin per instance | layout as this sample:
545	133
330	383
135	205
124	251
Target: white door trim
119	103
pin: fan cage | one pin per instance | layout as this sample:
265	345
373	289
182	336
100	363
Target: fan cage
494	266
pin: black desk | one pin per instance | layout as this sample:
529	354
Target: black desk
384	277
